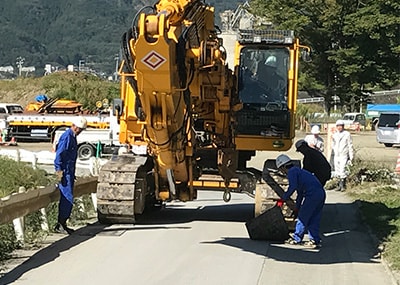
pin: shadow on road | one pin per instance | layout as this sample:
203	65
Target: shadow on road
51	252
177	214
345	238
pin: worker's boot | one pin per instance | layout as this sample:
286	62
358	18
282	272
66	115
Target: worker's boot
62	228
341	185
344	184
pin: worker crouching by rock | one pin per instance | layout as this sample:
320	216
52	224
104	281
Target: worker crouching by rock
64	163
309	202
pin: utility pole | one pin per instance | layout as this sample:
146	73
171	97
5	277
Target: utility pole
80	64
116	58
20	62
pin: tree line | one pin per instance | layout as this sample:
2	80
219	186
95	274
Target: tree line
355	45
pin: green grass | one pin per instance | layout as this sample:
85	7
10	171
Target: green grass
375	187
16	174
380	207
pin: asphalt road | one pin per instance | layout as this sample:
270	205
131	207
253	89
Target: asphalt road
206	242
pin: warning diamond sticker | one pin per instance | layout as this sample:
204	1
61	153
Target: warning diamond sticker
153	60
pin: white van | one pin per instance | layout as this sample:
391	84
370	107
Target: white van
354	121
387	130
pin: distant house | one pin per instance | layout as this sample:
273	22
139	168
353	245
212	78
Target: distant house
8	69
28	69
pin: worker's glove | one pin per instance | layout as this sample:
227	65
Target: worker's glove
295	213
280	203
349	163
59	174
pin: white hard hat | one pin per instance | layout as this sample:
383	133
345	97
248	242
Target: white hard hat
271	61
282	160
80	122
339	123
315	130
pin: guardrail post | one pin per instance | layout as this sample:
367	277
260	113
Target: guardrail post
44	224
34	161
94	166
94	201
19	222
18	158
94	170
19	229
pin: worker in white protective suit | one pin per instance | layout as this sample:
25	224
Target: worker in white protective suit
342	147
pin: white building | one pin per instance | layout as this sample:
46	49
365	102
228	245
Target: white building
8	69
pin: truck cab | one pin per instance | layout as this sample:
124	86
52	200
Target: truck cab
10	108
354	121
7	109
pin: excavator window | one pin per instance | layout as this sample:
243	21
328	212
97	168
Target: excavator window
263	90
264	77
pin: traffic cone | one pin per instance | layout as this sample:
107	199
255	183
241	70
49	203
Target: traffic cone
397	170
54	146
13	141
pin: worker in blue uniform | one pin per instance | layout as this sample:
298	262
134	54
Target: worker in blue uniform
309	201
64	163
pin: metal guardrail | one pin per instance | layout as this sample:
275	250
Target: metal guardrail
311	100
372	94
21	204
384	93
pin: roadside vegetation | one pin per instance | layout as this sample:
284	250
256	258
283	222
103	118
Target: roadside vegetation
374	187
16	175
377	191
83	87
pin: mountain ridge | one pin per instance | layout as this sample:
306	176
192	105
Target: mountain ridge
62	33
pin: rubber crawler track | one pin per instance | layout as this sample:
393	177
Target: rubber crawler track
119	185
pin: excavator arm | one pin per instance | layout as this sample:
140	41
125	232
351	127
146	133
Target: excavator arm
177	73
198	119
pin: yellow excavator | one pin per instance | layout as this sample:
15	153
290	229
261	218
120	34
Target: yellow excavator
197	121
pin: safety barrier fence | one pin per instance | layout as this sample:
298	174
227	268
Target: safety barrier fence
20	204
15	206
47	158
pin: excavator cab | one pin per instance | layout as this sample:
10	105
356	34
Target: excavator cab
266	69
263	92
